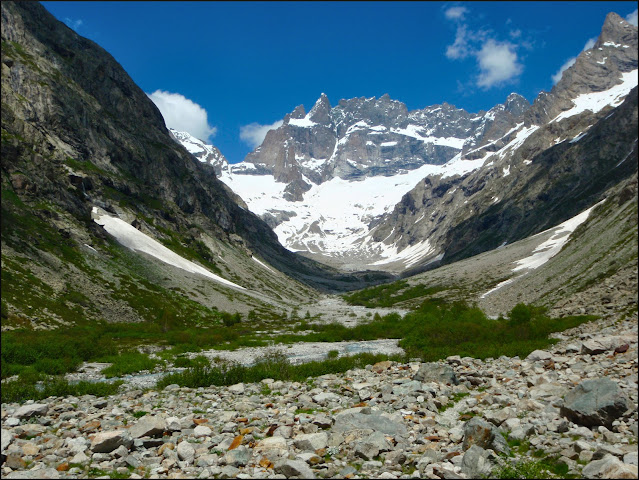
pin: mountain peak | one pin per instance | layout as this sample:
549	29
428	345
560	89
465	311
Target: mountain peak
615	29
321	111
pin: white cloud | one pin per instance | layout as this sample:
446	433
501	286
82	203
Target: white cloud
456	13
631	18
498	63
461	48
73	24
182	114
570	62
590	43
254	133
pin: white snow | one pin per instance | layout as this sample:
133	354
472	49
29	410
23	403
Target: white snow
262	264
546	250
388	144
553	245
414	132
301	122
334	216
506	171
598	100
132	238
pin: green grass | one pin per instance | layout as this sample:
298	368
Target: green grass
438	329
273	366
27	387
390	294
127	362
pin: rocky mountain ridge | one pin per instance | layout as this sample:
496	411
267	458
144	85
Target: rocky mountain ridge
452	177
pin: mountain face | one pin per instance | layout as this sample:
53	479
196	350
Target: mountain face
368	183
81	143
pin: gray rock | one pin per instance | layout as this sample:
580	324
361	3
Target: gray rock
353	420
294	468
325	397
7	438
630	458
238	457
475	463
311	441
28	411
185	451
408	387
148	426
538	355
105	442
478	431
202	431
435	372
595	402
44	473
609	467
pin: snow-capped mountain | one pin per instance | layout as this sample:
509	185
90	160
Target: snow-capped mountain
205	153
369	183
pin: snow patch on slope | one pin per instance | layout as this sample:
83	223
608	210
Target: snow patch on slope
599	100
132	238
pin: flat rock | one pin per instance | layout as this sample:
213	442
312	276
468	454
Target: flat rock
105	442
294	468
354	420
148	426
33	410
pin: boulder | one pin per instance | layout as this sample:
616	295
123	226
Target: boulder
185	452
311	441
33	410
238	457
294	468
538	355
478	431
365	418
609	467
436	372
475	463
105	442
148	426
595	402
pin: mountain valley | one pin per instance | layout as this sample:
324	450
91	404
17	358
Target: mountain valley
236	316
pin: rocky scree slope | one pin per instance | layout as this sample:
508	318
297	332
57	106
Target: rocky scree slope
573	405
78	133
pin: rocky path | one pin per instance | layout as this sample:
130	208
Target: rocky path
577	401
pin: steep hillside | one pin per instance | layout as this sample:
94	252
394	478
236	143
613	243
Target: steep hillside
78	134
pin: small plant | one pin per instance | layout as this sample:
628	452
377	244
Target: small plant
139	413
332	354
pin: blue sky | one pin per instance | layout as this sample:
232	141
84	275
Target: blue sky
228	70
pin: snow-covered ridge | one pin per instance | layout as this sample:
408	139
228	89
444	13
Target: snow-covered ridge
599	100
132	238
333	217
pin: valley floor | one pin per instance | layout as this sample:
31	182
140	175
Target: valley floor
388	420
